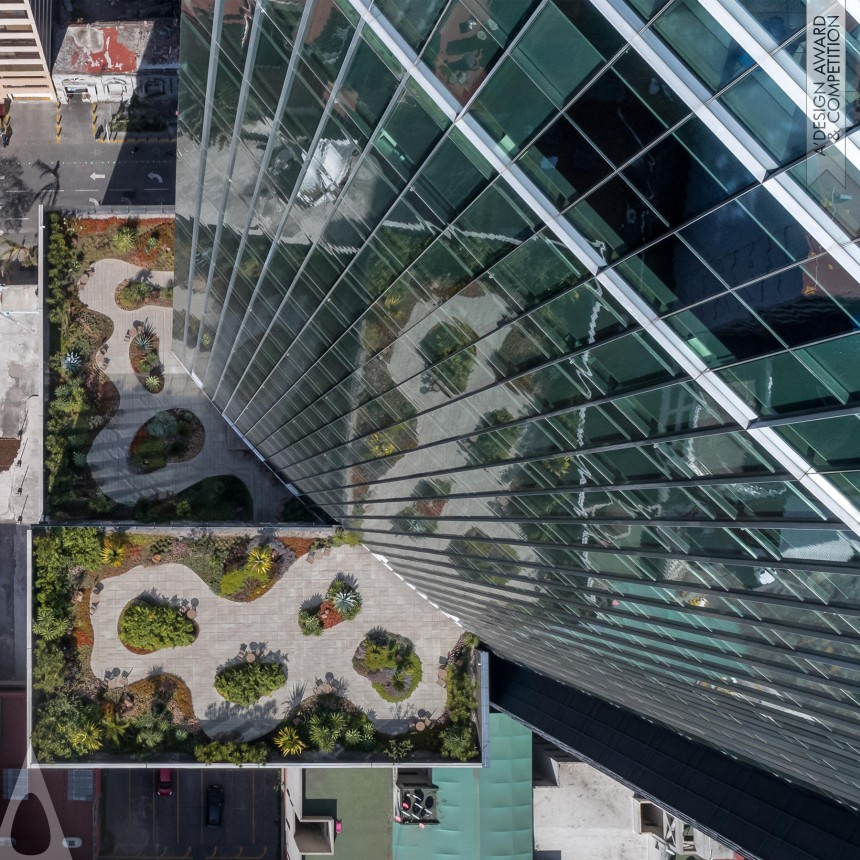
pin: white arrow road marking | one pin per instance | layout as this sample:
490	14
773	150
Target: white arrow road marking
154	176
94	201
95	176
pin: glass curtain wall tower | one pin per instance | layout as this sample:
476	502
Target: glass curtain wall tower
538	296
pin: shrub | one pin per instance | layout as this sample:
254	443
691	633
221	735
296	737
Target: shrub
162	424
245	683
287	740
153	383
148	626
398	750
458	741
58	727
49	667
309	622
390	663
231	752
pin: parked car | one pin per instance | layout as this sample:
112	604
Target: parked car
164	783
72	842
214	805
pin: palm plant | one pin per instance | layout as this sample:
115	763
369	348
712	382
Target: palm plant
113	553
152	729
287	740
79	458
153	382
260	560
324	730
87	738
114	731
49	625
399	680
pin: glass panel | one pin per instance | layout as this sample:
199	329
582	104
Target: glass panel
560	56
511	107
703	173
626	108
702	43
670	276
748	237
769	115
461	51
563	163
723	330
413	19
615	219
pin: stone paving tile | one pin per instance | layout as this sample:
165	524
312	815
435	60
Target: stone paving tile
223	452
272	619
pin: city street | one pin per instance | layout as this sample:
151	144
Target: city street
77	173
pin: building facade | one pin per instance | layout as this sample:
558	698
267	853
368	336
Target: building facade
25	49
555	303
115	61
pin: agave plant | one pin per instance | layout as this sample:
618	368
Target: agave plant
72	360
79	458
399	680
125	239
143	341
113	554
287	740
346	601
153	382
260	560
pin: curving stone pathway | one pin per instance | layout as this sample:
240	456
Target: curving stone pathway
272	619
223	452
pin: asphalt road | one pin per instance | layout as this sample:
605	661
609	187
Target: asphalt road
77	172
13	604
136	823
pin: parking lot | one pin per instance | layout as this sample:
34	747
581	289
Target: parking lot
136	823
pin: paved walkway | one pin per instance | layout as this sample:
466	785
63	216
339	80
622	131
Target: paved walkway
273	620
223	452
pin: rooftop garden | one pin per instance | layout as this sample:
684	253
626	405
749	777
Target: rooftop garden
83	399
166	595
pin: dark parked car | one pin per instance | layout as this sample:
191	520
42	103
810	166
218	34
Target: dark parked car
164	783
214	805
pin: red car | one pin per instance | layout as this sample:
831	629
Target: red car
164	785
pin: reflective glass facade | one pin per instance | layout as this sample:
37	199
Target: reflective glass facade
536	295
